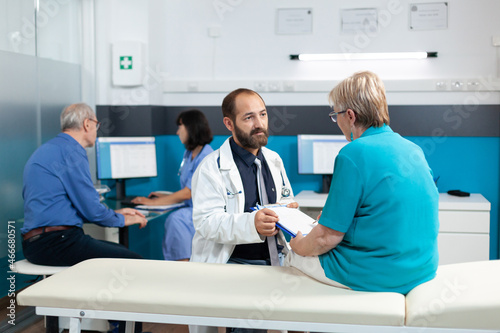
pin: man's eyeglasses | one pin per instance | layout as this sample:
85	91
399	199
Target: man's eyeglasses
333	115
97	123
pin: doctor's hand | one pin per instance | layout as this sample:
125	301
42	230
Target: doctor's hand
265	222
293	205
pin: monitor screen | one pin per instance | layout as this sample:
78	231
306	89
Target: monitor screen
126	157
316	153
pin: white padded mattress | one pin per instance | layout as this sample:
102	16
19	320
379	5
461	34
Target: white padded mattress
211	290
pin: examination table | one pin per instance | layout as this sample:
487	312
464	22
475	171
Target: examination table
462	298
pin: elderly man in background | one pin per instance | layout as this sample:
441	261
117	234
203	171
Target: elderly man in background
59	197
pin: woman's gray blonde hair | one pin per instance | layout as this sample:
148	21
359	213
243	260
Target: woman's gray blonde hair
364	93
74	115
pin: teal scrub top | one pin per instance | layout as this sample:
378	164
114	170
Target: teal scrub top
384	199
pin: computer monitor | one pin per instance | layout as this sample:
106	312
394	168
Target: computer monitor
121	158
316	155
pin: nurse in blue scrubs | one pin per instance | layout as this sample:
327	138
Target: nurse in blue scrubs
194	132
378	230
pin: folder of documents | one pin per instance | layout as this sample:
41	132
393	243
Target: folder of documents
292	220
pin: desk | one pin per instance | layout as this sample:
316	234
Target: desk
311	202
123	233
464	230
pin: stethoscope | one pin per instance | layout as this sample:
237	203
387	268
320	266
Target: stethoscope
285	191
180	168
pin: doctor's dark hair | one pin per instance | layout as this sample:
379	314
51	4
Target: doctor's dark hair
364	93
199	132
228	104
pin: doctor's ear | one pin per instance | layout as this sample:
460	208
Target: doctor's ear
229	123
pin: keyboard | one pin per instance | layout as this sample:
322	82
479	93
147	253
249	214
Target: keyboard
127	201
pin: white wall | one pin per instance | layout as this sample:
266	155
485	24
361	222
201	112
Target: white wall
185	66
119	20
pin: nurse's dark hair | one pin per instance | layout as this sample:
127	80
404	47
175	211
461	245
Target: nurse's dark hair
228	104
364	93
196	124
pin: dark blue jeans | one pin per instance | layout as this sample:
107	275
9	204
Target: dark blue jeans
69	247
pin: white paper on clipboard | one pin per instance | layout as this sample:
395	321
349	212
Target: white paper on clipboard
292	220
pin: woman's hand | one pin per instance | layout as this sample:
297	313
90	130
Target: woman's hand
153	195
296	243
144	201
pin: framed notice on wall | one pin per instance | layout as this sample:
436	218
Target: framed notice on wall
428	16
293	21
359	19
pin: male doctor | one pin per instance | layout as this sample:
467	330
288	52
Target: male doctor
227	185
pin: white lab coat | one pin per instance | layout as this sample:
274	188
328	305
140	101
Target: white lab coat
218	204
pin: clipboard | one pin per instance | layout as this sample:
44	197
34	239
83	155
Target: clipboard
293	220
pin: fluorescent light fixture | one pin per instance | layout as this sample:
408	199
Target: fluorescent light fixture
363	56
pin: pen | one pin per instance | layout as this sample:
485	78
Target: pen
233	193
259	207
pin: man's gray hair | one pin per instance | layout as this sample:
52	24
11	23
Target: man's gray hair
73	116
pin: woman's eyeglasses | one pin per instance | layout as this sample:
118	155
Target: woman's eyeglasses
333	115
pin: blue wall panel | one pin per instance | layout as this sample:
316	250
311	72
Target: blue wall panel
467	163
470	164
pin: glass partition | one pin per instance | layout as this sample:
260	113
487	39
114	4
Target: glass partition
17	26
40	66
59	30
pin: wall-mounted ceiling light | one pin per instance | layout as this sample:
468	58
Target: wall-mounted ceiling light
362	56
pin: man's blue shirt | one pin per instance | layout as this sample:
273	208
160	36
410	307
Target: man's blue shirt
58	189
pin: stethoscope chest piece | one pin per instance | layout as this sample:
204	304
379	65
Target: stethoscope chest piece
285	192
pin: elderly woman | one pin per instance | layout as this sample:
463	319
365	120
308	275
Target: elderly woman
378	229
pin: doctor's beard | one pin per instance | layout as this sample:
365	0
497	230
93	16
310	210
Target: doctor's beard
248	140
